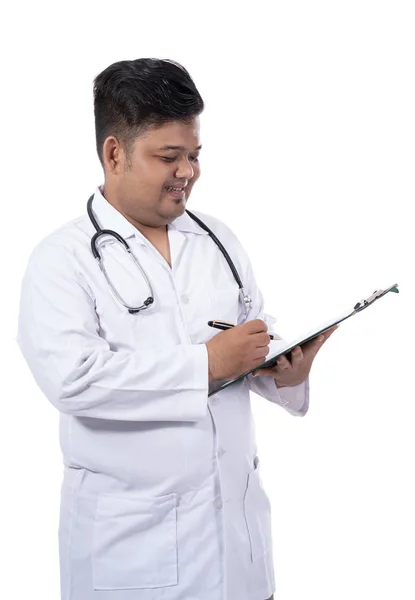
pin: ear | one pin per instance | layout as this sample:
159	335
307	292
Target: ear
113	155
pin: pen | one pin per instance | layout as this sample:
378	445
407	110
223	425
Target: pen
224	326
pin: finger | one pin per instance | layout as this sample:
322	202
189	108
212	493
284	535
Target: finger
283	363
330	332
314	346
260	355
256	326
325	336
296	356
262	339
321	338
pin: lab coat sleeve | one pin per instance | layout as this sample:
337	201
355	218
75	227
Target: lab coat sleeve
295	400
77	370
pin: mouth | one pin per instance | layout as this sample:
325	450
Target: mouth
175	192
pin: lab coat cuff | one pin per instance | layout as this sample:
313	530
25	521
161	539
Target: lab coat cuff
294	400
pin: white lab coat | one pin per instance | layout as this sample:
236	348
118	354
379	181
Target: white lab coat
161	494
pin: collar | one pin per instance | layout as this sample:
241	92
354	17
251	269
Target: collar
186	224
109	217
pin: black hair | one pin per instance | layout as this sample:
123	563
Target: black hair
131	96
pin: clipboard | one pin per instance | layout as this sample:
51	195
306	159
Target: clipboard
286	347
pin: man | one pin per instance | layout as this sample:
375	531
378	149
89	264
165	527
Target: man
161	494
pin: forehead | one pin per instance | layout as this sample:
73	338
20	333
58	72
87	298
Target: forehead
174	133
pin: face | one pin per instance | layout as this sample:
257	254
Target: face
152	186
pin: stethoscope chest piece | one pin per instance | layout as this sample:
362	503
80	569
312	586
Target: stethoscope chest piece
246	299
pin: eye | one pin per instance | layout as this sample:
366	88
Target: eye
170	159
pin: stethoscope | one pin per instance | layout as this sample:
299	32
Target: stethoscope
245	298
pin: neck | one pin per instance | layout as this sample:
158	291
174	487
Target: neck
147	230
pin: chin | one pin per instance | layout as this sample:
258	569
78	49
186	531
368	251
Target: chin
171	213
179	204
179	210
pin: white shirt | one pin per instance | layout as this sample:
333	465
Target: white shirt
161	493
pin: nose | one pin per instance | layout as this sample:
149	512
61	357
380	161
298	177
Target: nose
184	169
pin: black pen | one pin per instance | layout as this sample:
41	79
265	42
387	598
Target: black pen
224	326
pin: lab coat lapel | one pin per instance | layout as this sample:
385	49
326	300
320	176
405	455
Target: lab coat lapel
177	241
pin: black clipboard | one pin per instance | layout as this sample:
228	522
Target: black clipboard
286	349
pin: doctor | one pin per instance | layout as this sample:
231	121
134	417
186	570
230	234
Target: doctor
161	494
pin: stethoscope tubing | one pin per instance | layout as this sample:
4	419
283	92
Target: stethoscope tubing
247	301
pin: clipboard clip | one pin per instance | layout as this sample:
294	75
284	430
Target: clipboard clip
376	294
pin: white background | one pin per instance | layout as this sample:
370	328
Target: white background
308	155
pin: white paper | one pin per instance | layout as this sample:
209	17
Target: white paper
278	346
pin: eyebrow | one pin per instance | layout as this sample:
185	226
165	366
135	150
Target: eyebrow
177	148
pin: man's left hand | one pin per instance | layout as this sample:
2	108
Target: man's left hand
288	373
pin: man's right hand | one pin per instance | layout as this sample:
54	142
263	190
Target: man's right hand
238	350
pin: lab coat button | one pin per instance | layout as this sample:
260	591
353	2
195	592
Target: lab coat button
221	452
185	299
214	400
218	503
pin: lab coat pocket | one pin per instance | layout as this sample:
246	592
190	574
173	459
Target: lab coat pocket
257	509
225	303
135	542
